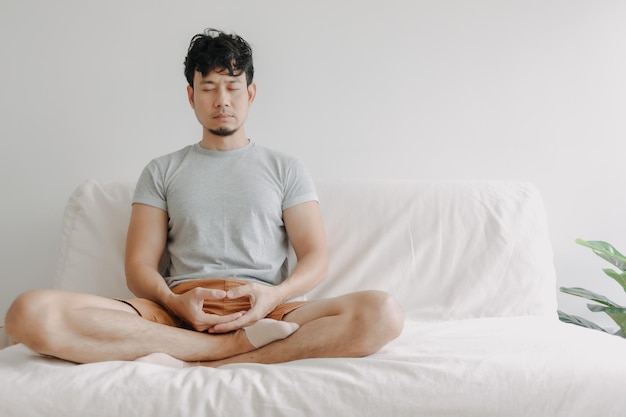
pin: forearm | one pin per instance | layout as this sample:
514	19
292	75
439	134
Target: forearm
309	272
146	282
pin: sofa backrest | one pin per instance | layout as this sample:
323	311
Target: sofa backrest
446	250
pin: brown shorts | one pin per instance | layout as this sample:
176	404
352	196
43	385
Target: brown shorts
152	311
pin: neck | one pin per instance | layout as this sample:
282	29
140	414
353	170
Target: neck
224	143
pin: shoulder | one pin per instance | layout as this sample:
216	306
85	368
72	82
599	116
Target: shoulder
173	156
270	153
165	163
158	168
277	158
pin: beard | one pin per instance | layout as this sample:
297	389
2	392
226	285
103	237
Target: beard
223	132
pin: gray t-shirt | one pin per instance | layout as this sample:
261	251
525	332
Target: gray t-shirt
225	210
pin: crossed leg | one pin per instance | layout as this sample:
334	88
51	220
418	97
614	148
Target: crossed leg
85	328
354	325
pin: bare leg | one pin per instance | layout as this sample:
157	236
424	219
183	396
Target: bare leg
85	328
352	325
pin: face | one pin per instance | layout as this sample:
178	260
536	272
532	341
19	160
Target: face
221	102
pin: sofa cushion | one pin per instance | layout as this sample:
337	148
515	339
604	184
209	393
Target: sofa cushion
445	249
93	239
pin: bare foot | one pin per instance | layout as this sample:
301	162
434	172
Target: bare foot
266	331
159	358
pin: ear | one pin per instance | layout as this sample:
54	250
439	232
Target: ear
251	92
190	96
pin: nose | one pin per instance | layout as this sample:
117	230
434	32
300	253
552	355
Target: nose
222	98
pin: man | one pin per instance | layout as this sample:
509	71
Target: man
225	209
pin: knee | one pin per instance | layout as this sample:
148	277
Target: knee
27	318
380	318
383	309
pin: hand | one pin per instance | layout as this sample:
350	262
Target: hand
188	306
263	300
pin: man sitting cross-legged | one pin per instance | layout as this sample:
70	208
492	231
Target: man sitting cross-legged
226	209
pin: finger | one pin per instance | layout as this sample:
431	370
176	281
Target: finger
227	327
206	321
215	319
246	320
239	292
210	294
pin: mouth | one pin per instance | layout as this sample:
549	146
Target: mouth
223	116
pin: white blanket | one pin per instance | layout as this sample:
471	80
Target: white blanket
470	368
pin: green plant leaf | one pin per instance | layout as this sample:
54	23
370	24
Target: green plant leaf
606	251
620	278
617	314
590	295
579	321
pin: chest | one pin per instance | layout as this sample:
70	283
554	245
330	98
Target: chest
220	193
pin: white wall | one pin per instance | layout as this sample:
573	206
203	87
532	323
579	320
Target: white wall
440	89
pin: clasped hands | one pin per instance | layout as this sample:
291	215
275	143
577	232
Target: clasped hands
188	306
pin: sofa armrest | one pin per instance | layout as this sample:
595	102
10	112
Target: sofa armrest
4	339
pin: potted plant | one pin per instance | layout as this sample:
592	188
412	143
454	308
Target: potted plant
602	303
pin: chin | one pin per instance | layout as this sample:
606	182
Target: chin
223	132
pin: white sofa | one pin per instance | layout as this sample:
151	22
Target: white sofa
470	262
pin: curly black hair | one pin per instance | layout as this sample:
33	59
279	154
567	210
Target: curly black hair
215	49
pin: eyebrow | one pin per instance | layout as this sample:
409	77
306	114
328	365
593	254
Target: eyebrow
230	81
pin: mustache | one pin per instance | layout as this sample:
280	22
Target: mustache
223	112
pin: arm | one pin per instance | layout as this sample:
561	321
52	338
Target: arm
145	242
305	229
306	233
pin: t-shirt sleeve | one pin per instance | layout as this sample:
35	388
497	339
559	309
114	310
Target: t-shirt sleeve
299	186
150	188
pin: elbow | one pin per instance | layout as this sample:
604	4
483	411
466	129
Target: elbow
323	268
132	271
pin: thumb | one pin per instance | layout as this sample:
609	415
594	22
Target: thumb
237	293
211	294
